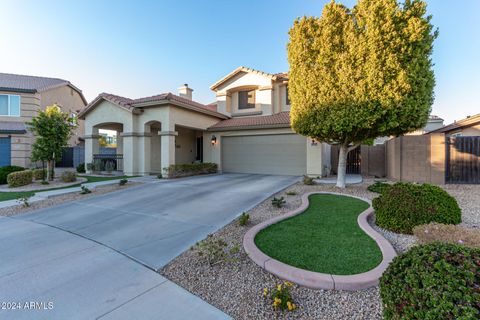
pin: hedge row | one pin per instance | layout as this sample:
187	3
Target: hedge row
185	170
5	171
20	178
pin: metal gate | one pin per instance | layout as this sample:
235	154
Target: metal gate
5	152
462	160
67	158
354	161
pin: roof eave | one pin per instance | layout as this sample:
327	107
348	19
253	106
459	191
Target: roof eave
254	127
180	104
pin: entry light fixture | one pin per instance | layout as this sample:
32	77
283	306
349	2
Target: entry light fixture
314	142
214	140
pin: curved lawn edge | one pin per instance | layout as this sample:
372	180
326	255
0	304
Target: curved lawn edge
317	280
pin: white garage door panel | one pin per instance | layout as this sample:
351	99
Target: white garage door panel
268	154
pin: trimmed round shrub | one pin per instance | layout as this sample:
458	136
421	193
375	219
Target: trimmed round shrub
6	170
403	206
68	176
39	174
434	281
20	178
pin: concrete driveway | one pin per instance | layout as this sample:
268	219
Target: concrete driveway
93	258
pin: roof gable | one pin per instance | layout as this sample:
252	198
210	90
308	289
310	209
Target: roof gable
239	70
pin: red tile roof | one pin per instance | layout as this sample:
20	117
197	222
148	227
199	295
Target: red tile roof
279	120
131	104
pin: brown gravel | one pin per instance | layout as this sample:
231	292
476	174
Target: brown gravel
10	211
235	287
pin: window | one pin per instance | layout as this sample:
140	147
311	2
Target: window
246	99
287	100
73	119
9	105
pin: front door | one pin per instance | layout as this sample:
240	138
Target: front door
199	153
5	151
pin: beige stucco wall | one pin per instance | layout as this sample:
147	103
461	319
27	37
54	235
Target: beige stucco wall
471	131
316	162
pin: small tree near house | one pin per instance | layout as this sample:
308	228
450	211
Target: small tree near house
52	129
360	74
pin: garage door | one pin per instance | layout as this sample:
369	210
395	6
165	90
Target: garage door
4	152
283	154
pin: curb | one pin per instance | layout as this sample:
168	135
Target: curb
317	280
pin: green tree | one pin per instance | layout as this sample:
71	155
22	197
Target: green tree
360	74
52	129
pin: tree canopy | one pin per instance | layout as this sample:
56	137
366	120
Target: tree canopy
52	129
363	73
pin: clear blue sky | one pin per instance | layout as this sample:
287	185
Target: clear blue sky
140	48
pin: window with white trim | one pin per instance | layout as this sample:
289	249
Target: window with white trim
9	105
246	99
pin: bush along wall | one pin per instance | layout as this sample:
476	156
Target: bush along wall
6	170
403	206
20	178
186	170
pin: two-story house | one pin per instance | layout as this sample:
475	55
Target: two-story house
21	97
247	130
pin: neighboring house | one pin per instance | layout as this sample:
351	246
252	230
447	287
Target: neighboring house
468	127
433	123
21	97
246	130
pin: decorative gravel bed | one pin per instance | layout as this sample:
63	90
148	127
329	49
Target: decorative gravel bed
236	287
10	211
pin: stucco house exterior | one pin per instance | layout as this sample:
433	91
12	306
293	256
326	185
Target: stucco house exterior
468	127
21	97
246	130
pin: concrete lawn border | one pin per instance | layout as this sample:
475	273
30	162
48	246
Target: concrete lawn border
316	280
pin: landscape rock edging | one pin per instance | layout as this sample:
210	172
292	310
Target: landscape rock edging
317	280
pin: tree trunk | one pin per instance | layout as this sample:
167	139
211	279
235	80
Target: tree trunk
50	170
342	166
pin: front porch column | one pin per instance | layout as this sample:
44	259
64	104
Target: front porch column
167	147
92	146
144	153
119	150
130	153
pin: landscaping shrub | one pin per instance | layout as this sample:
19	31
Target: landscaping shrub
192	169
85	190
434	281
278	202
378	187
215	250
20	178
308	181
39	174
448	233
281	296
81	168
122	182
291	193
68	176
243	220
4	171
403	206
109	166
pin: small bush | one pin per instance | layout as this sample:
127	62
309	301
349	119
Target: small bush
98	165
291	193
81	168
85	190
24	201
308	181
281	297
378	187
6	170
215	250
278	202
193	169
448	233
403	206
45	182
123	182
243	220
90	166
39	174
109	166
20	178
68	176
434	281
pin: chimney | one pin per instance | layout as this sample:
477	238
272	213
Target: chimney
185	92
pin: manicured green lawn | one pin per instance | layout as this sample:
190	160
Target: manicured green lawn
325	238
4	196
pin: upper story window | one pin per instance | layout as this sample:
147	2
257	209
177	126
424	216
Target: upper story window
9	105
287	99
246	99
